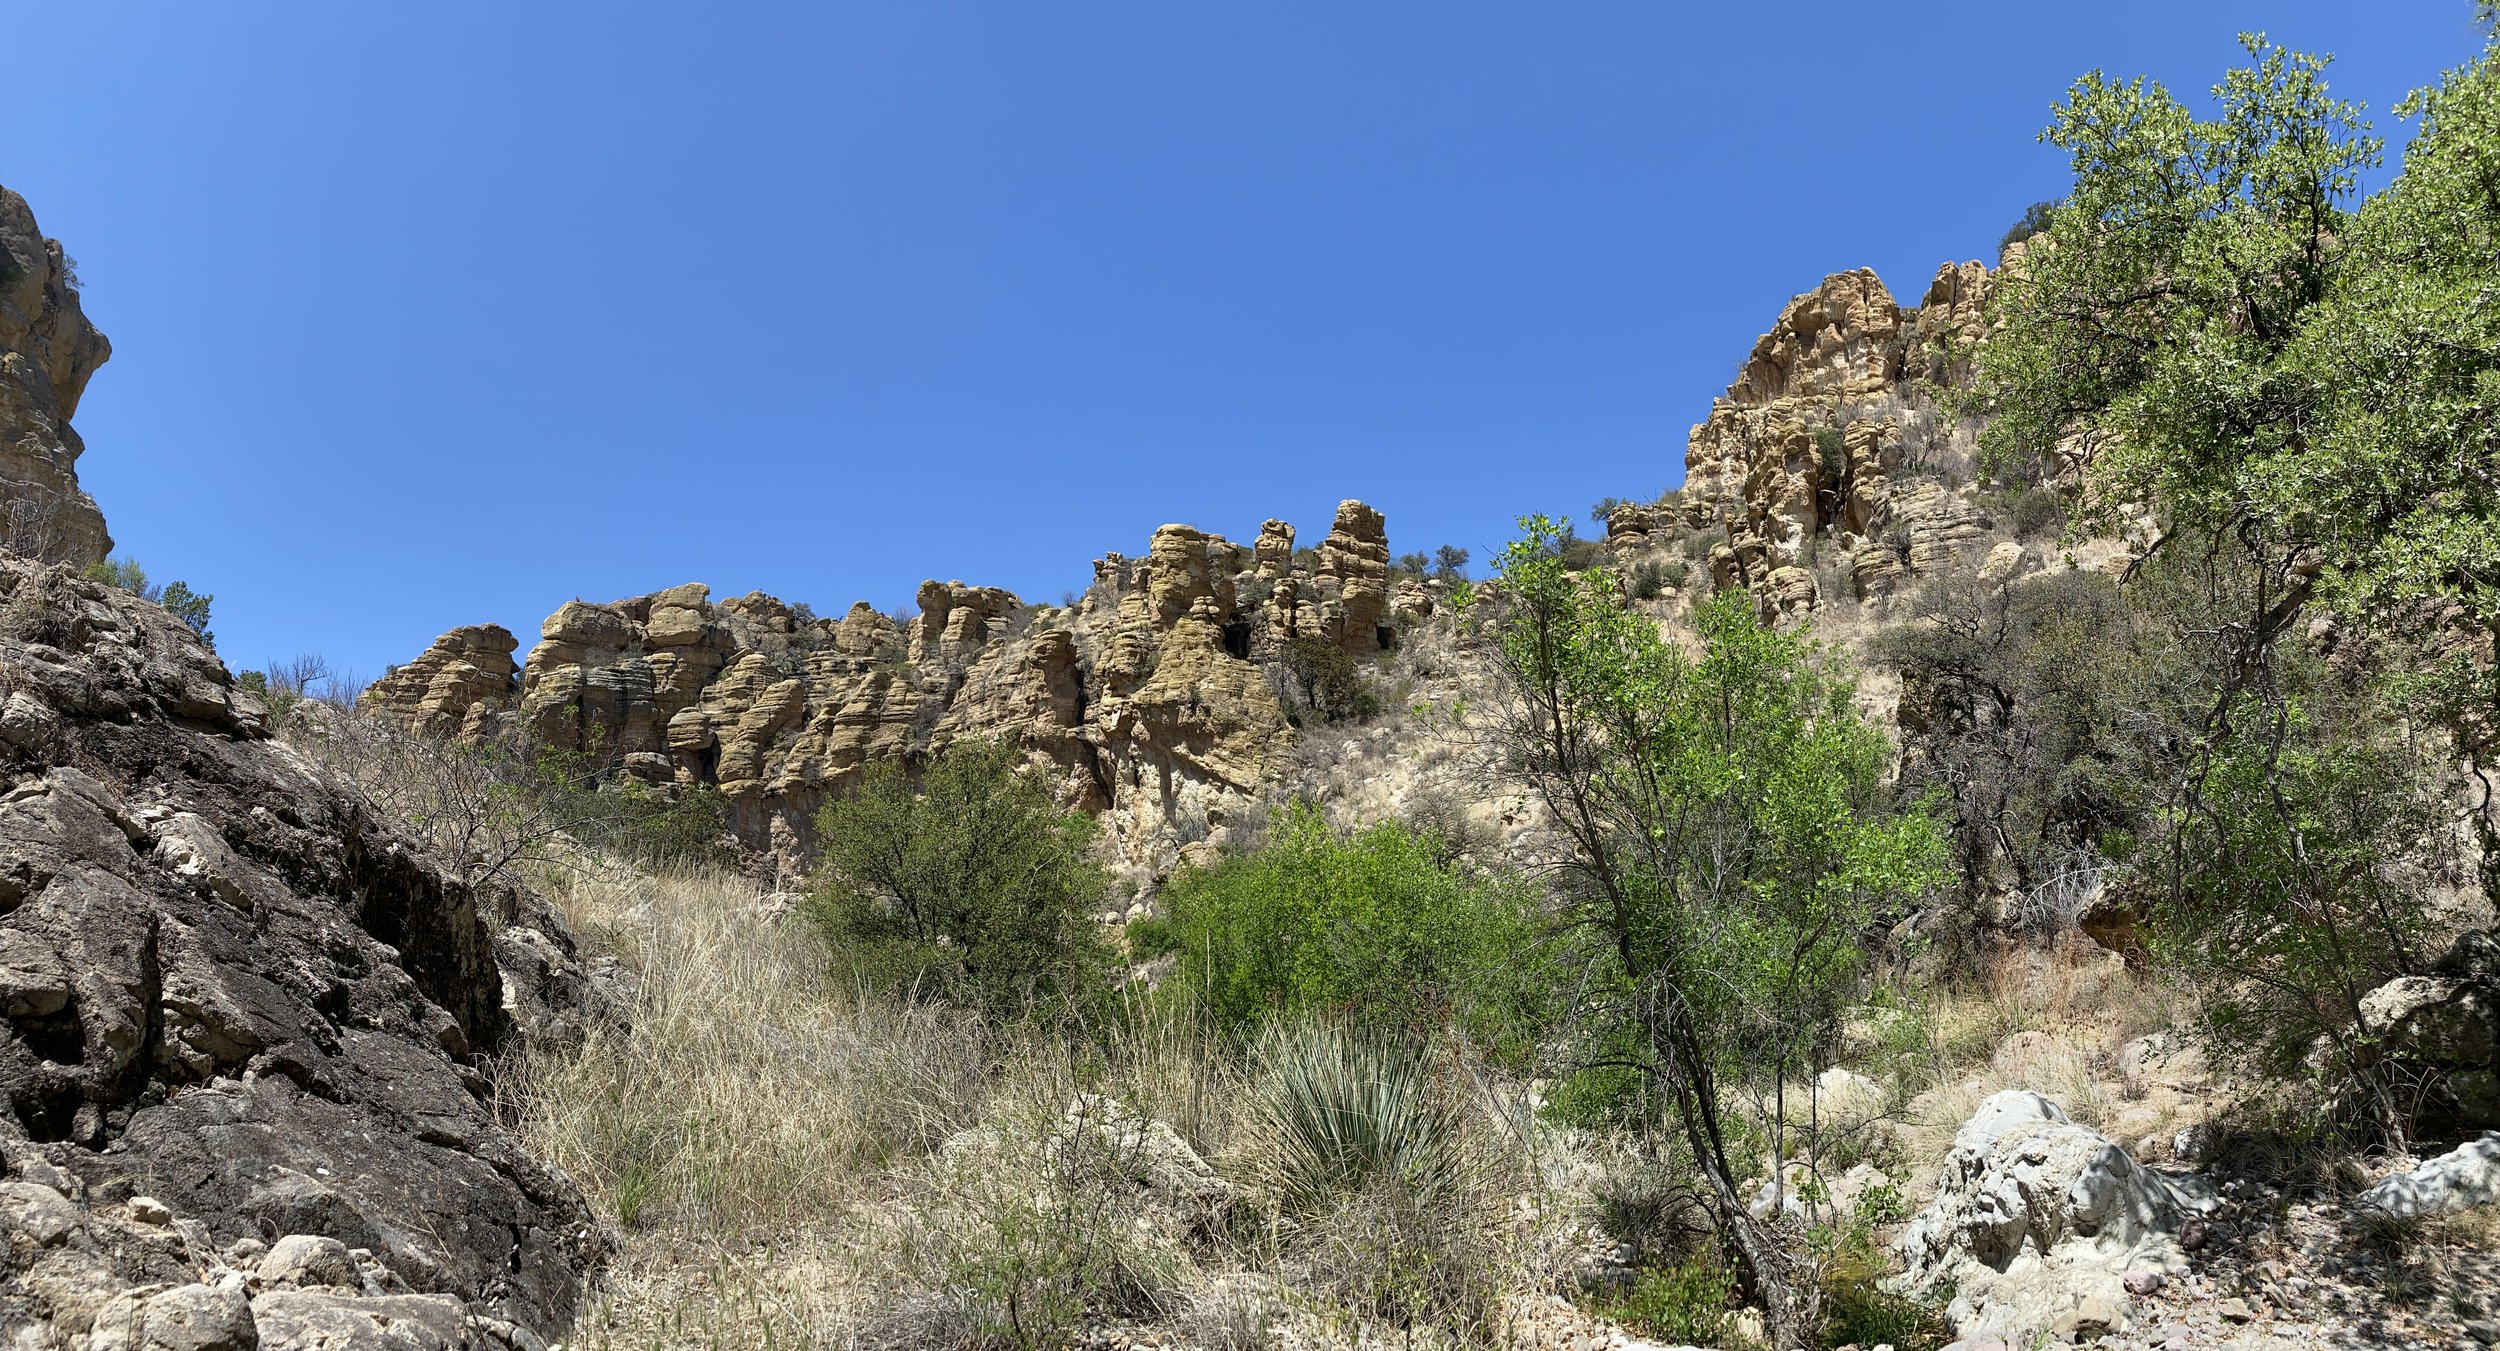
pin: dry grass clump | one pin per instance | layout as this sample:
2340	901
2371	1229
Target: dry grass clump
2050	1019
797	1161
754	1084
744	1114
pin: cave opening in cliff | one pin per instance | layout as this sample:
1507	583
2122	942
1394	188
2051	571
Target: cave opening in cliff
1237	639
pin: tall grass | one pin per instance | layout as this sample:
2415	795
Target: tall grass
753	1085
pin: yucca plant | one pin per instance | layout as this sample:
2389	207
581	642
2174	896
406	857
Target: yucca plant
1336	1114
1391	1183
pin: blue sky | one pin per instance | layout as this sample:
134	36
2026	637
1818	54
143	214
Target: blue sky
432	314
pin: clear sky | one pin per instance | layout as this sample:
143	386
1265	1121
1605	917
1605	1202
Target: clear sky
428	314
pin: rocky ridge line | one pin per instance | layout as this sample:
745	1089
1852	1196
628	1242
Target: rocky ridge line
1149	701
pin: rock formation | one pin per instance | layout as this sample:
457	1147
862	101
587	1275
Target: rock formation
47	351
237	1009
454	686
1827	444
1150	701
2442	1029
2038	1221
2461	1179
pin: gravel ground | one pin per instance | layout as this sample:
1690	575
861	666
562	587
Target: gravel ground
2288	1269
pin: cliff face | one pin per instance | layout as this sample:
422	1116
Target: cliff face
47	352
1150	700
1830	439
227	985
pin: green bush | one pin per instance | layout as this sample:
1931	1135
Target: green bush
2035	220
2036	511
658	828
1374	924
1323	682
1688	1302
1858	1311
1579	555
976	888
1832	448
1652	577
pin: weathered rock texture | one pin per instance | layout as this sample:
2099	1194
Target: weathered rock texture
2442	1030
47	351
1827	448
1152	700
2036	1223
452	688
227	987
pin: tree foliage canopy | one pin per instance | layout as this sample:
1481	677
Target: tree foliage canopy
975	887
1733	853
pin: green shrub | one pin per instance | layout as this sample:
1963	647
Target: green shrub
1323	683
1579	555
1832	448
1652	577
1372	924
1857	1311
656	827
1687	1302
976	888
2035	220
2036	511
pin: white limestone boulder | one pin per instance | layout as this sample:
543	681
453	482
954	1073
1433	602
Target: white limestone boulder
2037	1221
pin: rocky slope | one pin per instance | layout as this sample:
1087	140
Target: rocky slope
47	352
1153	700
236	1007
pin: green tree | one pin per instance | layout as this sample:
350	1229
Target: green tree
1323	682
187	605
1731	845
2035	218
976	887
1373	925
1450	563
2305	388
2021	708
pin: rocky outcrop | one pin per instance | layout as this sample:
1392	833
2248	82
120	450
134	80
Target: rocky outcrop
1828	445
235	1006
455	687
2442	1031
1150	701
2037	1223
47	352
